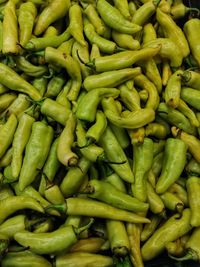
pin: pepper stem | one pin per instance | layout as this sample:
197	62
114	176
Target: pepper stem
85	227
191	255
91	64
62	208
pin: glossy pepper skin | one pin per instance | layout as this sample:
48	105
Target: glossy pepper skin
52	242
15	82
14	203
113	18
54	11
172	229
23	258
173	164
173	31
107	193
36	152
191	30
115	153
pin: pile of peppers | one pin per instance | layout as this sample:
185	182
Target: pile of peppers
99	132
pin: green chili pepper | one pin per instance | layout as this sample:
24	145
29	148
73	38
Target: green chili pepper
115	153
26	10
177	248
13	81
193	167
191	79
175	117
107	193
110	78
188	112
118	238
51	166
7	132
66	46
142	163
74	177
36	152
192	143
172	229
122	6
193	187
114	19
173	31
180	192
14	224
64	153
40	83
76	23
152	73
172	202
192	251
81	54
54	11
156	204
90	245
40	43
22	258
144	12
150	228
53	194
10	29
94	133
83	259
116	181
53	242
28	68
93	208
105	46
95	52
125	41
173	164
191	96
7	158
173	89
55	110
44	226
169	50
5	100
20	140
144	83
56	57
134	231
51	31
123	59
132	120
129	97
95	19
55	85
31	192
62	96
5	192
149	33
191	29
93	98
156	129
12	204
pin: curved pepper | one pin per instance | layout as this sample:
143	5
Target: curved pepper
173	164
107	193
93	98
14	203
114	19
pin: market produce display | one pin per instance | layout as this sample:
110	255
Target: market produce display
99	132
